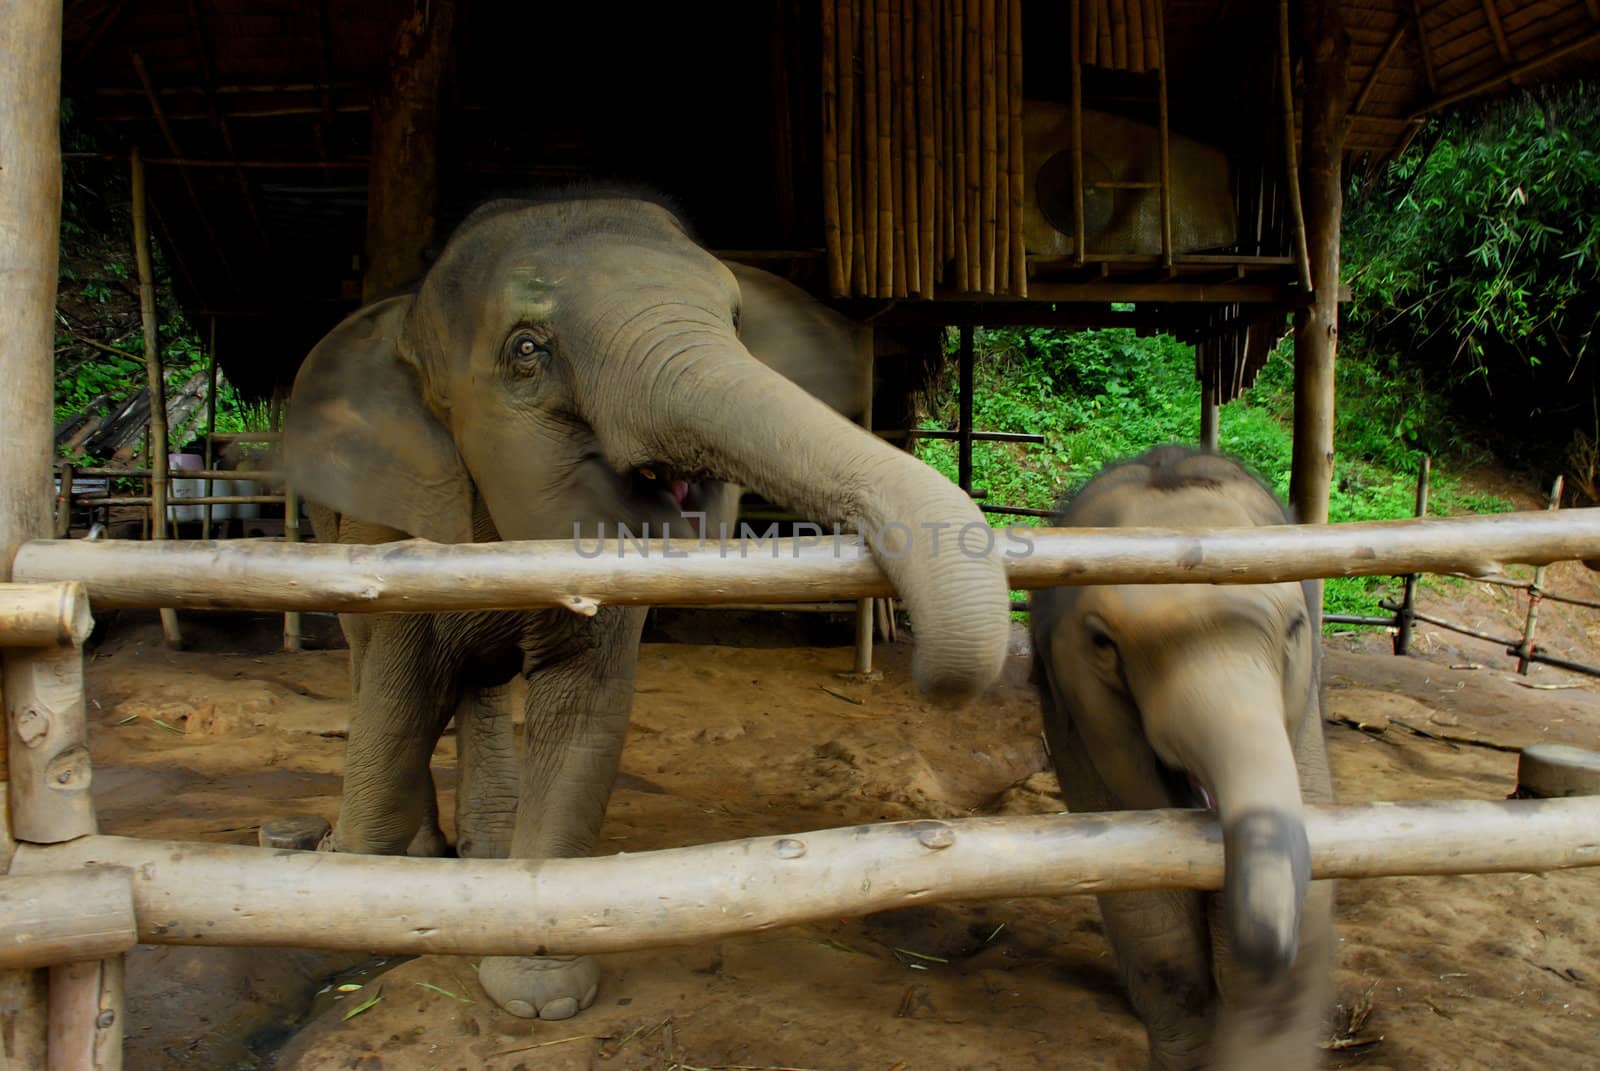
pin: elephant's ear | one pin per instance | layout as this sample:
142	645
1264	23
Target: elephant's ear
358	438
824	353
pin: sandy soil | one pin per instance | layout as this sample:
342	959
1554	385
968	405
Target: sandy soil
1465	972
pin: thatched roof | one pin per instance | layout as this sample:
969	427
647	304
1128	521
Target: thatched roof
255	117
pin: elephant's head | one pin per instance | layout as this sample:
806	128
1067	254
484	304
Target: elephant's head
577	361
1194	695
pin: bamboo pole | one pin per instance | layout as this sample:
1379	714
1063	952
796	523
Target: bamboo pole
882	42
1556	771
1154	16
1103	56
1018	166
1165	148
211	425
869	149
47	919
897	147
415	575
1291	166
943	232
973	108
30	223
1119	36
1002	146
44	615
65	476
1080	242
47	744
987	143
927	151
1135	15
159	484
291	534
857	207
1405	619
844	128
831	233
911	148
958	134
1536	593
232	895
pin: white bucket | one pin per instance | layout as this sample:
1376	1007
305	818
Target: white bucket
184	487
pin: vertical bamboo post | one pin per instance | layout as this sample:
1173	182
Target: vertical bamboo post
1079	239
1002	146
1018	164
64	477
927	134
1406	618
831	235
1166	142
159	484
1536	593
869	148
972	104
1210	390
986	181
958	143
864	607
850	161
211	424
897	147
1291	166
1317	325
885	149
964	424
911	149
30	223
291	534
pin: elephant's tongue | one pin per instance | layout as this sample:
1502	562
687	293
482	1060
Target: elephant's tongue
679	490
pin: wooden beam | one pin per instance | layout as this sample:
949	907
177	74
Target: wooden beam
232	895
1377	68
1558	52
183	172
1327	59
30	224
71	915
44	615
1425	48
415	575
403	182
1493	16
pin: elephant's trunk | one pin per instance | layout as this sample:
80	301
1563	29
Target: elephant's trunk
708	405
1226	728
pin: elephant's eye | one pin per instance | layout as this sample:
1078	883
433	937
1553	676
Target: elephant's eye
1297	625
736	319
1102	641
527	353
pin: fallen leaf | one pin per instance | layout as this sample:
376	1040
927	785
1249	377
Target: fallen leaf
363	1006
446	992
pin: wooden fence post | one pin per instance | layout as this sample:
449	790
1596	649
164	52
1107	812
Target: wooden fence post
1536	594
1406	617
30	223
159	484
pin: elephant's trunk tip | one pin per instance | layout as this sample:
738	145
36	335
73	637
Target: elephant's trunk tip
1267	868
953	683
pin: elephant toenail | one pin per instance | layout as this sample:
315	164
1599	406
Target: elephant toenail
560	1008
521	1009
588	998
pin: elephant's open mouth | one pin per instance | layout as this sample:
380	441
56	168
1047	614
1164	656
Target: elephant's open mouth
664	480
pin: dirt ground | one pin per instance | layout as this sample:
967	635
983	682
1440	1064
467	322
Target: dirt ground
1494	971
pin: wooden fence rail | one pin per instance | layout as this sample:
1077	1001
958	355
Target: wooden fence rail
415	575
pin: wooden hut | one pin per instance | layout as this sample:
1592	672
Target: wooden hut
926	162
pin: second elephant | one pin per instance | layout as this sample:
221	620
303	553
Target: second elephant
1200	695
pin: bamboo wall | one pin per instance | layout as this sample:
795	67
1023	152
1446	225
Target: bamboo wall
922	162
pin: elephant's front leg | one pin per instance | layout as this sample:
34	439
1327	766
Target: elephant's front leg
400	707
487	776
577	718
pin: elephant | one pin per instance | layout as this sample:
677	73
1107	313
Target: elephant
568	363
1199	696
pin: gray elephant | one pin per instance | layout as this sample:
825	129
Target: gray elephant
568	364
1200	695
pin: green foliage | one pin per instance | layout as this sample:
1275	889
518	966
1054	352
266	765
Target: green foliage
1485	245
1100	396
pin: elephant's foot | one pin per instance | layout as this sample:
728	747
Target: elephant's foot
429	843
540	987
301	832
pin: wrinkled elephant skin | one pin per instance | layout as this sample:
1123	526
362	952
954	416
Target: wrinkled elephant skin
564	367
1200	695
